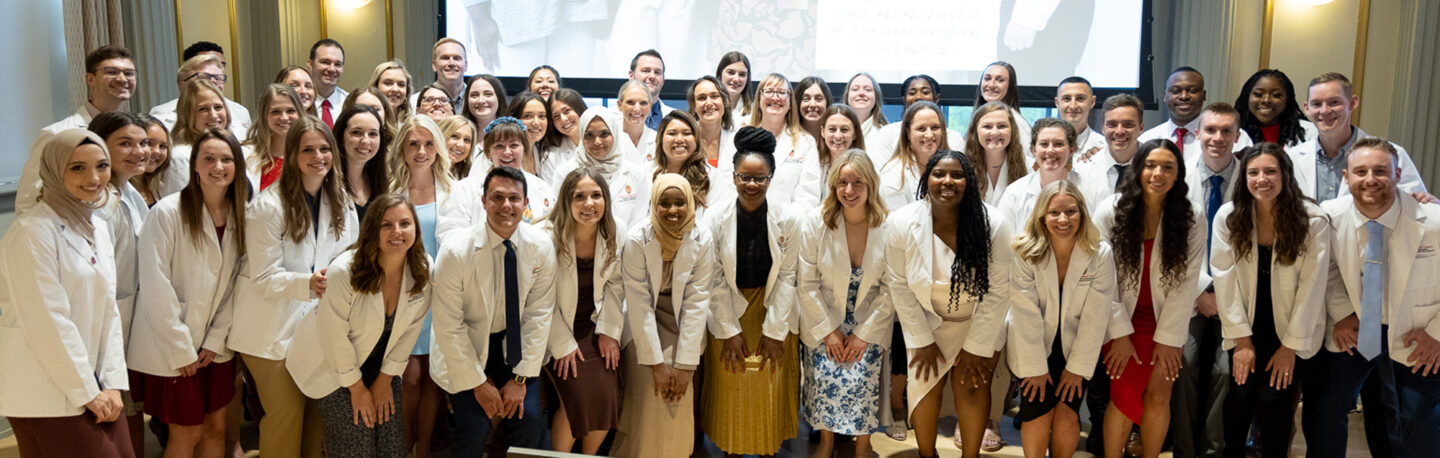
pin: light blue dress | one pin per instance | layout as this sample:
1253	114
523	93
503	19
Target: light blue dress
427	234
843	398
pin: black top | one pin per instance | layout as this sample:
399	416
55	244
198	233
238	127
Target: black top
314	203
752	247
370	369
1262	330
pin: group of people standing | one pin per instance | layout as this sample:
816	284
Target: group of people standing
625	279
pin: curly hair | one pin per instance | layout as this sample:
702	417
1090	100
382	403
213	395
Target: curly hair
1291	133
970	273
1292	226
1127	236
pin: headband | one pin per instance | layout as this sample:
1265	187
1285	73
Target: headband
503	119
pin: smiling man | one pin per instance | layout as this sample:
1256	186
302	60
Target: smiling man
493	300
447	60
1184	98
204	60
327	64
647	67
1074	98
1320	161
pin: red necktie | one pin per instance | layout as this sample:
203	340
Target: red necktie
1180	138
325	113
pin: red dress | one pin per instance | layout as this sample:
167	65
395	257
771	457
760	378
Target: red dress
1128	391
271	174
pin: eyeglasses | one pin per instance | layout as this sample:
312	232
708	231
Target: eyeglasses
754	179
777	93
113	72
217	78
434	100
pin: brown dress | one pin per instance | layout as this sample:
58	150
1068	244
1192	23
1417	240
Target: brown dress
592	399
649	426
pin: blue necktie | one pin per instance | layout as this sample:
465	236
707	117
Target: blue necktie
512	307
1372	290
1212	205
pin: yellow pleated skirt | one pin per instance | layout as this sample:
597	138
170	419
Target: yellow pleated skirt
751	412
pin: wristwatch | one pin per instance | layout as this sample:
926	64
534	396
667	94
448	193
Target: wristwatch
521	379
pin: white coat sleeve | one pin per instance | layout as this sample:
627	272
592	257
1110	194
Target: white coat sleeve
1172	320
333	315
899	253
1104	296
815	319
265	243
1308	315
537	312
694	309
464	366
1234	314
162	307
1027	323
43	311
780	315
640	302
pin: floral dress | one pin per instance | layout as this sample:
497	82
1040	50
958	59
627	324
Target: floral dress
843	398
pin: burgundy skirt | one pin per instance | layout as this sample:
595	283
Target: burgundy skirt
185	401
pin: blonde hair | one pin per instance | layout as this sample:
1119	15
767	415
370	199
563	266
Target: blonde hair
185	132
859	162
404	111
194	64
792	116
1033	243
449	126
258	138
400	170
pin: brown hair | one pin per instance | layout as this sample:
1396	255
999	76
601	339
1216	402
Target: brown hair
193	214
1327	77
366	276
695	169
259	135
1014	152
563	222
184	132
292	191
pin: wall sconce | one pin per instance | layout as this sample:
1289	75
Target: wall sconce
1311	2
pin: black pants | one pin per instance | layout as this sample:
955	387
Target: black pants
1272	410
1097	398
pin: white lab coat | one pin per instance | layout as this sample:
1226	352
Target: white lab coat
1303	157
1297	291
630	196
908	278
178	174
1412	296
1019	198
797	179
608	292
336	337
824	284
1173	306
464	206
466	302
898	183
60	337
186	292
276	280
692	272
727	303
1038	309
125	216
881	146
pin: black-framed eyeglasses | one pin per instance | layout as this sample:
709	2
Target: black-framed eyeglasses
755	179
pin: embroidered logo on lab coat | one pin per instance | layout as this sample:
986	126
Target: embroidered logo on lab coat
1425	251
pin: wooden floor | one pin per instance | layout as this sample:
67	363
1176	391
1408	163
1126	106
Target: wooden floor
883	445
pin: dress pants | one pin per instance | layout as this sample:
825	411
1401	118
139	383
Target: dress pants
1196	409
1408	408
1097	399
472	423
292	426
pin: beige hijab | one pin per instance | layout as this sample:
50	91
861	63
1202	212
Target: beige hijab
670	235
52	178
